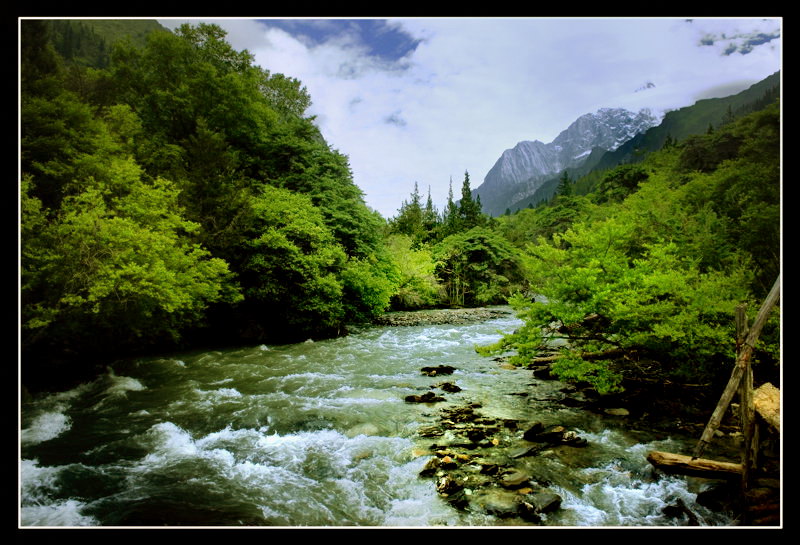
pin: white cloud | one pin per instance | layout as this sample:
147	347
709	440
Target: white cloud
474	87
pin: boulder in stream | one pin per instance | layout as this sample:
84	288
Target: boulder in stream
438	370
427	397
448	387
515	479
553	435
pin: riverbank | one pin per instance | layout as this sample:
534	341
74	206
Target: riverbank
475	467
483	463
453	316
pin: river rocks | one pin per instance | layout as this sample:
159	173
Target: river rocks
472	457
525	451
439	317
438	370
448	387
427	397
430	431
538	502
447	484
552	435
515	479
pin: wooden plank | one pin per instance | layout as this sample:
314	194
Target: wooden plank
698	467
767	402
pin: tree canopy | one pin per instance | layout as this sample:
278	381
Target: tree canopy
179	188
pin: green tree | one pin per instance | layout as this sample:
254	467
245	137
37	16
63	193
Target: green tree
564	185
114	268
476	267
638	283
469	209
417	285
368	287
620	182
290	268
410	218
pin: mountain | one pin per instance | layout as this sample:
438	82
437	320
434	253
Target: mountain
695	119
521	170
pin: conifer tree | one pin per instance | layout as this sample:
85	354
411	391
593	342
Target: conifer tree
564	186
469	210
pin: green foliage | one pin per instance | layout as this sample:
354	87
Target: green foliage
417	285
369	285
476	267
654	270
177	185
114	266
620	182
291	264
530	224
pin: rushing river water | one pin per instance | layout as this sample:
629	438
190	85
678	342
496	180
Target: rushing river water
315	434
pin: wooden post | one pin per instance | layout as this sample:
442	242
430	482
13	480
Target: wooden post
738	369
746	406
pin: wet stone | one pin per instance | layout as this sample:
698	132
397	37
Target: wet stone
427	397
430	431
448	387
438	370
543	500
517	479
447	485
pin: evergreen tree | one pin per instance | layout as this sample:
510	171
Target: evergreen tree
409	220
451	223
564	185
430	217
469	210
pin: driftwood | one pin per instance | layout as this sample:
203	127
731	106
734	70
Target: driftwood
698	467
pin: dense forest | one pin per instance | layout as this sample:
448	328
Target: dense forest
173	193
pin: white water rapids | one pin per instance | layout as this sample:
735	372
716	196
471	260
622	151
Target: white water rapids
314	434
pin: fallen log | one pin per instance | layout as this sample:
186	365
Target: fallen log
697	467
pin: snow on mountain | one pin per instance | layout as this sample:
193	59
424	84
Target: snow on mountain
521	170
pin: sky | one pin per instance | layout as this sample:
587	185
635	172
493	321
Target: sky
424	100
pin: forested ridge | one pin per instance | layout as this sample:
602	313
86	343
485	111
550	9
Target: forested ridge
176	194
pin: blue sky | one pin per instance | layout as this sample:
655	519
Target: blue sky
425	99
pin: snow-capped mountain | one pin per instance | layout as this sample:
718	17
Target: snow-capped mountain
521	170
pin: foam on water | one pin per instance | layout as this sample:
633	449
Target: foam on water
312	434
321	477
624	490
39	502
65	513
44	427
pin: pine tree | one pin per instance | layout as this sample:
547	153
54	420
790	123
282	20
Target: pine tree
430	217
469	210
564	186
450	217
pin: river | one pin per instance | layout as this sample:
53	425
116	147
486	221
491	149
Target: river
317	434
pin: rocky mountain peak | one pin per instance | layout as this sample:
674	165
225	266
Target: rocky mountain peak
521	170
